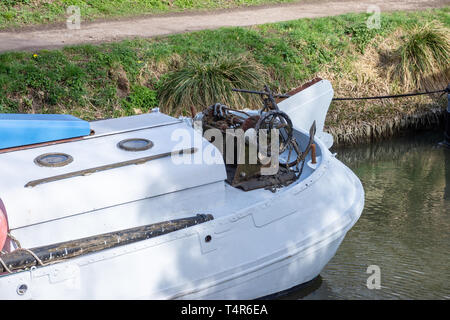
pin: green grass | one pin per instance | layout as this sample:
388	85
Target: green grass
424	57
129	77
202	83
17	13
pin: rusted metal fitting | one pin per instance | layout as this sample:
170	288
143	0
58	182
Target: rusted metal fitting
313	154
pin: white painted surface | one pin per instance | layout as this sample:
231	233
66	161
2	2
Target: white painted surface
262	242
308	105
58	199
201	200
132	123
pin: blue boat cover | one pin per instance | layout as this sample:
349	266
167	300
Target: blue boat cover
25	129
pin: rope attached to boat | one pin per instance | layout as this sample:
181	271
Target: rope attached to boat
395	96
358	98
14	239
5	266
39	261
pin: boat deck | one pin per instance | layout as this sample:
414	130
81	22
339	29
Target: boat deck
129	196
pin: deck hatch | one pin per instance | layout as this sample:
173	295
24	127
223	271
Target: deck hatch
53	160
135	144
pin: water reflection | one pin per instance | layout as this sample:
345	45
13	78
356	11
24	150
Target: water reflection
405	226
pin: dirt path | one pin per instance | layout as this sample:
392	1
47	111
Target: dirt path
151	26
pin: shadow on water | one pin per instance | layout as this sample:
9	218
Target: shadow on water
297	292
404	228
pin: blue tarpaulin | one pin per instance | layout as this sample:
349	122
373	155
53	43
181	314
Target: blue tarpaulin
25	129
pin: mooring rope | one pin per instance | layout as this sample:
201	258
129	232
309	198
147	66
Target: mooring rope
17	243
356	98
34	256
396	95
38	260
19	247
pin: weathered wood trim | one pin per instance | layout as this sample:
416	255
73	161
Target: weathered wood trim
42	144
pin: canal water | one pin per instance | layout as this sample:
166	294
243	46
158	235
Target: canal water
404	228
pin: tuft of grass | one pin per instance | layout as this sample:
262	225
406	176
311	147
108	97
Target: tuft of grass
202	83
423	58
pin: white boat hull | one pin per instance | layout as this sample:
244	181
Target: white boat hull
253	253
259	243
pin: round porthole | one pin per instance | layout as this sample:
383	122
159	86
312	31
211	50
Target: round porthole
53	160
135	144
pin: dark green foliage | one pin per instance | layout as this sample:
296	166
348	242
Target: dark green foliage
202	83
141	98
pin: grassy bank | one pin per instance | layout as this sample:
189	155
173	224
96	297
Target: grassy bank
18	13
127	78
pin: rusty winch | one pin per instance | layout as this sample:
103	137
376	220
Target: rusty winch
252	140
